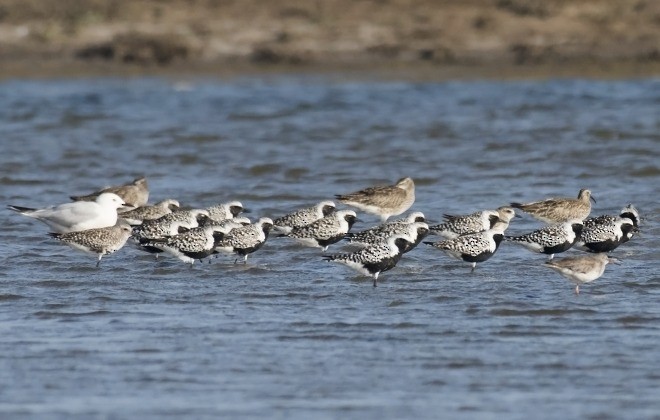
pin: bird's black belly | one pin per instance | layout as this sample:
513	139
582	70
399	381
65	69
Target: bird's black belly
557	248
604	246
477	258
331	240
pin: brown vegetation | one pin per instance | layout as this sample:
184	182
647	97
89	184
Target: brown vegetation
332	32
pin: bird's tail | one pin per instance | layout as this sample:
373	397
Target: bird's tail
20	209
55	235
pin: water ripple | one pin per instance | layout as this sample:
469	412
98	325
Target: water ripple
287	333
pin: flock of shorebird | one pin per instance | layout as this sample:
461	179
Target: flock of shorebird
102	222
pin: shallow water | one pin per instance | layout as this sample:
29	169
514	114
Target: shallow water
288	335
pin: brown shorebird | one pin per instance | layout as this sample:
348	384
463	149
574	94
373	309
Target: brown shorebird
135	193
581	270
383	201
559	210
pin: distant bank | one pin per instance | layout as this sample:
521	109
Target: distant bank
432	39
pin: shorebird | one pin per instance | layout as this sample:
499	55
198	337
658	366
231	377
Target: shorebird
387	228
303	217
135	193
415	232
140	214
413	225
194	244
224	211
604	234
455	226
581	270
99	241
474	247
77	216
376	258
631	213
170	224
383	201
552	239
325	231
226	225
246	239
559	210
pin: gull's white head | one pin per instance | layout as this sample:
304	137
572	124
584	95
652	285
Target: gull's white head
110	200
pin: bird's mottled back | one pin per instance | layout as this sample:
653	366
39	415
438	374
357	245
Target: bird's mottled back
135	193
558	210
384	201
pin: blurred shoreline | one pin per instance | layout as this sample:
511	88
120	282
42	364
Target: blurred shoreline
409	39
37	68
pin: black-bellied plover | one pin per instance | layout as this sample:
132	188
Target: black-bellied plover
135	193
226	225
223	211
605	233
580	270
303	217
194	244
325	231
421	231
170	224
384	229
479	221
416	230
374	259
631	213
474	247
99	241
77	216
415	216
559	210
551	239
247	239
383	201
140	214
